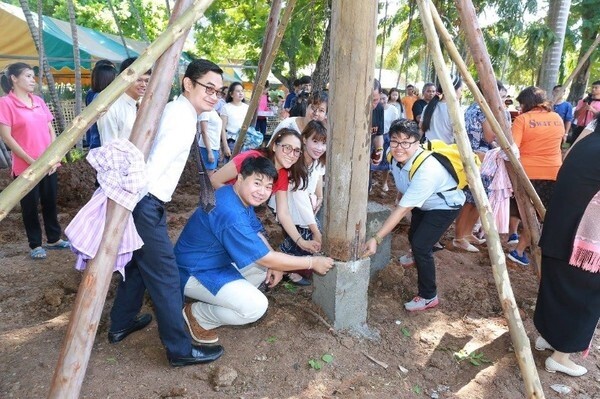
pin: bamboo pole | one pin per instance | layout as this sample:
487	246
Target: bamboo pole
83	324
517	173
582	61
501	137
489	87
10	196
261	77
511	311
269	39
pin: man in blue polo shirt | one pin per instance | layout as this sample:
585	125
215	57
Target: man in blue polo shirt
223	257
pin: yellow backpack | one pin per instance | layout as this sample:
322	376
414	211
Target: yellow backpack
448	156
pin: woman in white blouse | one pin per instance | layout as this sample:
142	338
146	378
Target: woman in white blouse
304	203
233	114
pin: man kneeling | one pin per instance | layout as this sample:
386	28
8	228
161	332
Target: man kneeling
223	256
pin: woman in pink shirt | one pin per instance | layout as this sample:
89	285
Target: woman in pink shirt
25	128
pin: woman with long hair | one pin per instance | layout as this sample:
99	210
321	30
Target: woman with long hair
304	203
284	150
103	74
26	128
394	99
233	114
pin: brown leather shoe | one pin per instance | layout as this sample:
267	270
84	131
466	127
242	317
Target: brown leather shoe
198	333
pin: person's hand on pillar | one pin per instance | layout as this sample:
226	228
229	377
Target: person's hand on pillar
321	264
370	248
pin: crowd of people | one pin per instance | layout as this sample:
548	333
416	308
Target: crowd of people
223	261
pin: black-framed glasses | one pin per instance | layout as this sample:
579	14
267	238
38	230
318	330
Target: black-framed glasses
403	144
210	90
288	149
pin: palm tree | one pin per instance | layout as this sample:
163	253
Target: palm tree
76	57
36	34
558	15
116	18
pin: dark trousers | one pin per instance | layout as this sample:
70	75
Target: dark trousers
426	228
153	268
45	193
261	125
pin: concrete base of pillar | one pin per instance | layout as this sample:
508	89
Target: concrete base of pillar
376	216
342	293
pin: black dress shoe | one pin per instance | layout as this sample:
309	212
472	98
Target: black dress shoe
200	354
140	322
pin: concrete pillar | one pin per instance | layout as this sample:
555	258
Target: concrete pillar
376	216
342	293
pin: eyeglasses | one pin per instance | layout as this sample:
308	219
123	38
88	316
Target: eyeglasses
209	89
403	144
288	149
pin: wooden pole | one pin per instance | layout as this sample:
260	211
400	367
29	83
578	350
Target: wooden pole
10	196
353	28
489	86
83	324
269	38
261	77
501	137
511	311
582	61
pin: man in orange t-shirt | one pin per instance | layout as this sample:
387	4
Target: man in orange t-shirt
408	101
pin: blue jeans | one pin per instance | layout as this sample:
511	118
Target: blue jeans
426	228
153	268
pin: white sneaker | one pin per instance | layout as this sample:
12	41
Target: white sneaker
407	260
419	303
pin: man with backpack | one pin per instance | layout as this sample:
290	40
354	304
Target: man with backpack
431	192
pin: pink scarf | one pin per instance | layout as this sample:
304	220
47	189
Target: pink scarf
586	248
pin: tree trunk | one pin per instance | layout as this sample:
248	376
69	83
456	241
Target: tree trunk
41	71
140	22
76	57
558	15
352	60
259	84
36	34
588	35
116	18
320	76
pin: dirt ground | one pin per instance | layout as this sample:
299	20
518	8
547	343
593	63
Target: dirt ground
284	355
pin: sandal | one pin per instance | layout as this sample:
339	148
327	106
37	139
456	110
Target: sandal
38	253
438	246
60	244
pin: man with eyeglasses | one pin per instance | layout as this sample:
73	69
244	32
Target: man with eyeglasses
224	259
431	196
118	120
153	266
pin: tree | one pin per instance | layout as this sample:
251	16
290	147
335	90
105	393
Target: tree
558	14
590	20
232	32
37	39
77	58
